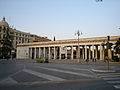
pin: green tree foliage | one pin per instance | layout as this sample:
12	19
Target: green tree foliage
109	45
6	46
117	47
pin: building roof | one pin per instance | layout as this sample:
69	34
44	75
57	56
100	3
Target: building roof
71	42
4	23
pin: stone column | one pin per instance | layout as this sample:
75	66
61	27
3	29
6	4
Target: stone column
39	52
44	52
66	53
35	53
93	53
96	54
85	52
101	52
49	56
60	52
89	52
71	52
54	53
77	52
31	53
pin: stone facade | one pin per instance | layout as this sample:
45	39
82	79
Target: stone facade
88	48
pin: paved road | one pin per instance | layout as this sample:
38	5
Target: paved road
49	76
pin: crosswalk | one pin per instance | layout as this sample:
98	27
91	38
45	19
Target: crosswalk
39	73
49	74
111	78
49	77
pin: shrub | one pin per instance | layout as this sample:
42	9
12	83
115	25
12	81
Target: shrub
42	60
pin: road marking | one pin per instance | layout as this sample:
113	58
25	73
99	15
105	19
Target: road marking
8	80
73	68
15	73
117	86
69	72
50	82
108	74
113	82
46	76
111	78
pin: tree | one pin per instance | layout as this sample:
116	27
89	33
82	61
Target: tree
6	46
117	48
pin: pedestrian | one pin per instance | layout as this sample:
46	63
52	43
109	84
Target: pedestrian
106	58
87	60
93	59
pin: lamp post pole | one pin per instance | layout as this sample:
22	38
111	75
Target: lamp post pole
78	33
108	47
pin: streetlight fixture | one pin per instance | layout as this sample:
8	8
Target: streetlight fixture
78	33
99	0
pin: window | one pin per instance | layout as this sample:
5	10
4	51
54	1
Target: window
4	28
4	36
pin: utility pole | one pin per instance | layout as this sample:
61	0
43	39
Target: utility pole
78	33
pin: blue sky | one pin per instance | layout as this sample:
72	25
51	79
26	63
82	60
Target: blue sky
62	18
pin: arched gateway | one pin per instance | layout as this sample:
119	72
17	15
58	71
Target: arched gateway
88	48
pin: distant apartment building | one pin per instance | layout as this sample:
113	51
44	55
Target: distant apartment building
18	36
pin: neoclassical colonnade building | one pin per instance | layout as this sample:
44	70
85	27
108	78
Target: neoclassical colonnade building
88	48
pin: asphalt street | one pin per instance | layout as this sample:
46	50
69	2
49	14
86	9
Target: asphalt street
25	75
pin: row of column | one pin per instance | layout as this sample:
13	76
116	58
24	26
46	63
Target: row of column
83	52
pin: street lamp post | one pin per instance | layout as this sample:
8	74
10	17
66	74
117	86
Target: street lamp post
108	49
78	33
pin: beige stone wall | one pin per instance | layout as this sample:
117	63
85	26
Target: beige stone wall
52	48
22	52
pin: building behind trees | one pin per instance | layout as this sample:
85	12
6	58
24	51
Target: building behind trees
17	36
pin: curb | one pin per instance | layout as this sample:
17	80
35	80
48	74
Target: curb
109	71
